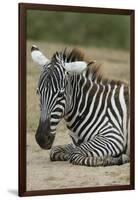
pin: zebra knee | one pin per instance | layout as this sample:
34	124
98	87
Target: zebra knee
58	156
78	157
58	153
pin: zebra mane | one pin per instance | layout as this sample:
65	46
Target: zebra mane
93	70
70	56
77	55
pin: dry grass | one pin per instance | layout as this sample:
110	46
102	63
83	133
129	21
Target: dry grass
43	174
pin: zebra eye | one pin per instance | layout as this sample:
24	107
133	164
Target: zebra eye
40	107
61	91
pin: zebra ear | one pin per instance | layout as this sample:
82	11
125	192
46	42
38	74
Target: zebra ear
76	67
37	56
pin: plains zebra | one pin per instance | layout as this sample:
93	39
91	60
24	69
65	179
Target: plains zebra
95	110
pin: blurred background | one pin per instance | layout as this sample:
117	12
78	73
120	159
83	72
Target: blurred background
102	37
102	30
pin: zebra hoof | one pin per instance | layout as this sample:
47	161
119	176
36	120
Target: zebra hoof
125	158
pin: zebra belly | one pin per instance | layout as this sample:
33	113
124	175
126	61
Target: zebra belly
104	119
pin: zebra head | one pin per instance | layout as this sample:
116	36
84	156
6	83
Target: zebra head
53	89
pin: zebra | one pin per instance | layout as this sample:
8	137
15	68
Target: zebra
95	109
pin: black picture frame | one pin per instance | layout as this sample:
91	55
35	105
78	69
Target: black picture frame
23	7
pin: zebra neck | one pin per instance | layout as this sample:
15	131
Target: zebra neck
79	85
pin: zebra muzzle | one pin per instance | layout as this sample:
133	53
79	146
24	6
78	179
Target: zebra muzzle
43	136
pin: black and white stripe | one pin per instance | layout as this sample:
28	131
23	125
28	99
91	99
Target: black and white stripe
95	110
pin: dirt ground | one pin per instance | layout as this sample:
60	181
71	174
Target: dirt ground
43	174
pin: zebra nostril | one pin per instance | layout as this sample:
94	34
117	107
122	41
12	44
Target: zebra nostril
48	137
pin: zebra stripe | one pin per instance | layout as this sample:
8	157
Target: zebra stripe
95	111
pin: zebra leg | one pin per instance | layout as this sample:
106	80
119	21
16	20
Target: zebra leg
86	158
61	152
98	161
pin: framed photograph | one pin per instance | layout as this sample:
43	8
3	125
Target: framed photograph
76	99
